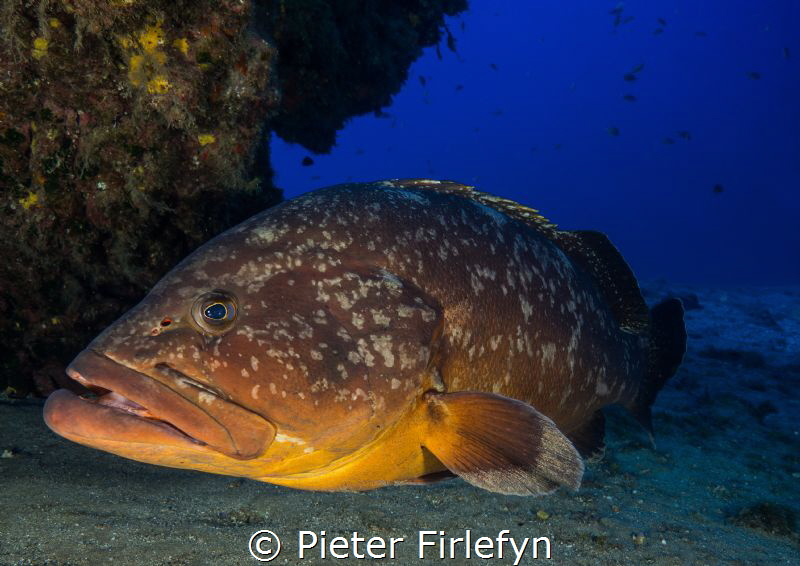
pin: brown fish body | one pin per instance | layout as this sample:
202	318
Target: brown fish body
376	334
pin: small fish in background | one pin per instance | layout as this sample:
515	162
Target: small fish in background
662	22
422	80
629	98
497	112
355	337
493	66
631	75
718	189
658	31
786	54
613	130
755	75
459	87
451	40
700	34
668	141
617	13
307	161
685	134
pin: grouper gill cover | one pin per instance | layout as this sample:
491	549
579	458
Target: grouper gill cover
374	334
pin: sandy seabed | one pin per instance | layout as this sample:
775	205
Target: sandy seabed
720	488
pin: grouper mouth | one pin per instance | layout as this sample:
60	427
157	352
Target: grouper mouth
166	410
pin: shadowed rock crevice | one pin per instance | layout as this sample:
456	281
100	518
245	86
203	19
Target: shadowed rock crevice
131	132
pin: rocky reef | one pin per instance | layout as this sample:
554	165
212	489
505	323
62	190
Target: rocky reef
133	130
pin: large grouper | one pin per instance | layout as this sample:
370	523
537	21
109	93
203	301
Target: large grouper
374	334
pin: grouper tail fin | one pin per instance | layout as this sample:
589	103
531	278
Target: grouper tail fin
668	345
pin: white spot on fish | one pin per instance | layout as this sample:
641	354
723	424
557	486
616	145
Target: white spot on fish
527	308
380	318
383	345
475	283
548	352
206	398
344	301
365	354
286	439
264	235
404	311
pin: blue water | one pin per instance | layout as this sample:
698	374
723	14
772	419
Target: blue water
536	128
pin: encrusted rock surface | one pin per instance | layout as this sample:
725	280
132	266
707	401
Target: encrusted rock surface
133	130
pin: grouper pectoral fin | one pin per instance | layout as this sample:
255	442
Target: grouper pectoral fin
500	444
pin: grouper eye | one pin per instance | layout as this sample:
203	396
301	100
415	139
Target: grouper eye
215	312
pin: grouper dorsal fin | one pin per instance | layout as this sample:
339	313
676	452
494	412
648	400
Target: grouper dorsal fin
595	254
591	251
510	208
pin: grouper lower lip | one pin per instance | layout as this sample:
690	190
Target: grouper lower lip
89	423
137	408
